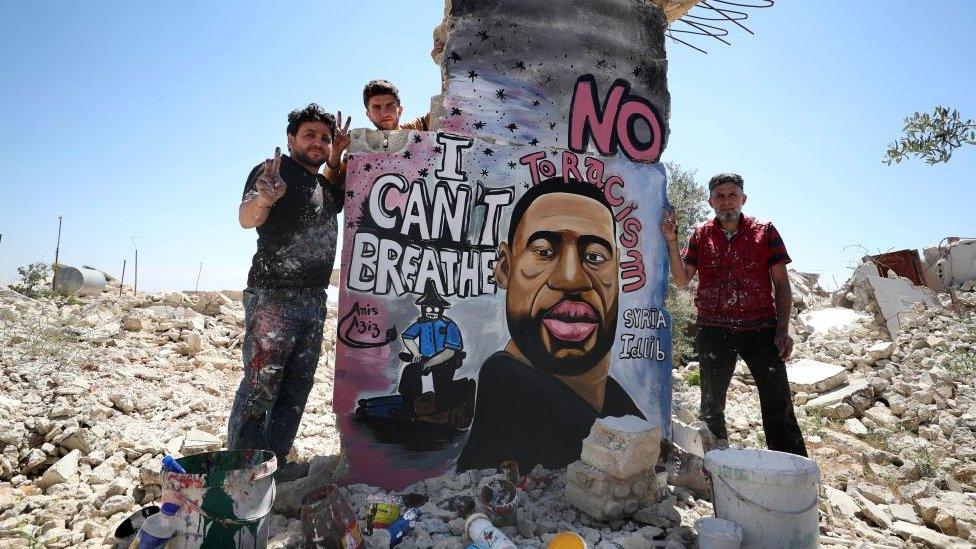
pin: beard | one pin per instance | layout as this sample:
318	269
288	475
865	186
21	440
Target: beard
303	157
526	332
728	217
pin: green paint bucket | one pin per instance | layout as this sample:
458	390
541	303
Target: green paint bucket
225	499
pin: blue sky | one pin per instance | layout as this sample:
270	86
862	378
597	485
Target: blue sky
144	119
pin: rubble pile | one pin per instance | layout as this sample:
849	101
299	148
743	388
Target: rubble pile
95	391
890	420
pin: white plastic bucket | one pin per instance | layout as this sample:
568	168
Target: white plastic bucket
771	495
716	533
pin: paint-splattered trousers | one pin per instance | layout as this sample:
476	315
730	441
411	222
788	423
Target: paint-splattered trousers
282	343
717	349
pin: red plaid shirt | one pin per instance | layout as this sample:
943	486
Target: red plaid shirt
734	287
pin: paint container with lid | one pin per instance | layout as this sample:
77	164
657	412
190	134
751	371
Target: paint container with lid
484	534
567	540
499	497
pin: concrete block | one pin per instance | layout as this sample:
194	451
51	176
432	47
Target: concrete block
857	393
895	297
622	447
605	507
197	442
812	376
643	485
823	320
694	438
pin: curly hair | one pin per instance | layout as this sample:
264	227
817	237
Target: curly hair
379	87
311	113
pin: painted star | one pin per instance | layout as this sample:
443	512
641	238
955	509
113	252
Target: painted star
552	125
488	152
438	149
479	125
455	111
512	165
454	56
512	127
546	77
417	139
534	142
500	94
520	66
536	103
423	172
367	167
484	35
406	154
525	185
350	194
484	173
472	75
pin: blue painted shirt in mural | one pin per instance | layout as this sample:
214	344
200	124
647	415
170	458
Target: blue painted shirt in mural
433	336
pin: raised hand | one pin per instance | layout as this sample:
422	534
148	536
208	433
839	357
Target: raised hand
669	226
340	139
270	186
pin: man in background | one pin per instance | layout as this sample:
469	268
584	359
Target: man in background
744	302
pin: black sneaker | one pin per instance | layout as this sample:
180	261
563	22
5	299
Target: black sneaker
291	471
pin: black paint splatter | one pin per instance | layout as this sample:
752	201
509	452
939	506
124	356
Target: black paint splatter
488	152
534	142
512	127
367	167
417	139
472	75
512	165
455	111
423	172
479	125
484	173
407	155
500	94
519	66
484	35
454	56
552	125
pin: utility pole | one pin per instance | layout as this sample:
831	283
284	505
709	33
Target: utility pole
200	270
122	280
57	249
135	276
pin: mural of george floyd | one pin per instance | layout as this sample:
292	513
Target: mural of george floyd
503	275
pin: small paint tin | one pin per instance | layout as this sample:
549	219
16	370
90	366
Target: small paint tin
567	540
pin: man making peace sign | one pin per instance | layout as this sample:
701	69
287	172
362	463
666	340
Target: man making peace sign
294	211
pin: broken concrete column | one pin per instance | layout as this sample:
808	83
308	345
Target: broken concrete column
615	475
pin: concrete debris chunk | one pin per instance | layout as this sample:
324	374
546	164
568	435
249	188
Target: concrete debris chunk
64	469
812	376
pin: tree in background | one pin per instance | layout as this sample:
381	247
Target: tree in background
32	277
690	201
932	137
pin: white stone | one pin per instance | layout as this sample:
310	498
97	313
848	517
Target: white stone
812	376
64	469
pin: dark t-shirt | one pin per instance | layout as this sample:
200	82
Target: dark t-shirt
525	414
297	242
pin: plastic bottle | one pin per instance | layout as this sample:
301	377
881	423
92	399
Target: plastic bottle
170	464
159	528
485	535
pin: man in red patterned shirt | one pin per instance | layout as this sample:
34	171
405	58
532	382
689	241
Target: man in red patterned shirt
744	302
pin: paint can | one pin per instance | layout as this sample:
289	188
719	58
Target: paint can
567	540
225	499
329	521
499	497
484	535
381	511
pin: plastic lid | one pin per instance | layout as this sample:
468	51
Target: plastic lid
170	508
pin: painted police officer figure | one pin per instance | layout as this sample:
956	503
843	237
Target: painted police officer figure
435	345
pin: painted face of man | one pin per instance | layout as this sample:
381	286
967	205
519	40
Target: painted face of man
561	275
384	111
432	312
727	200
311	144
